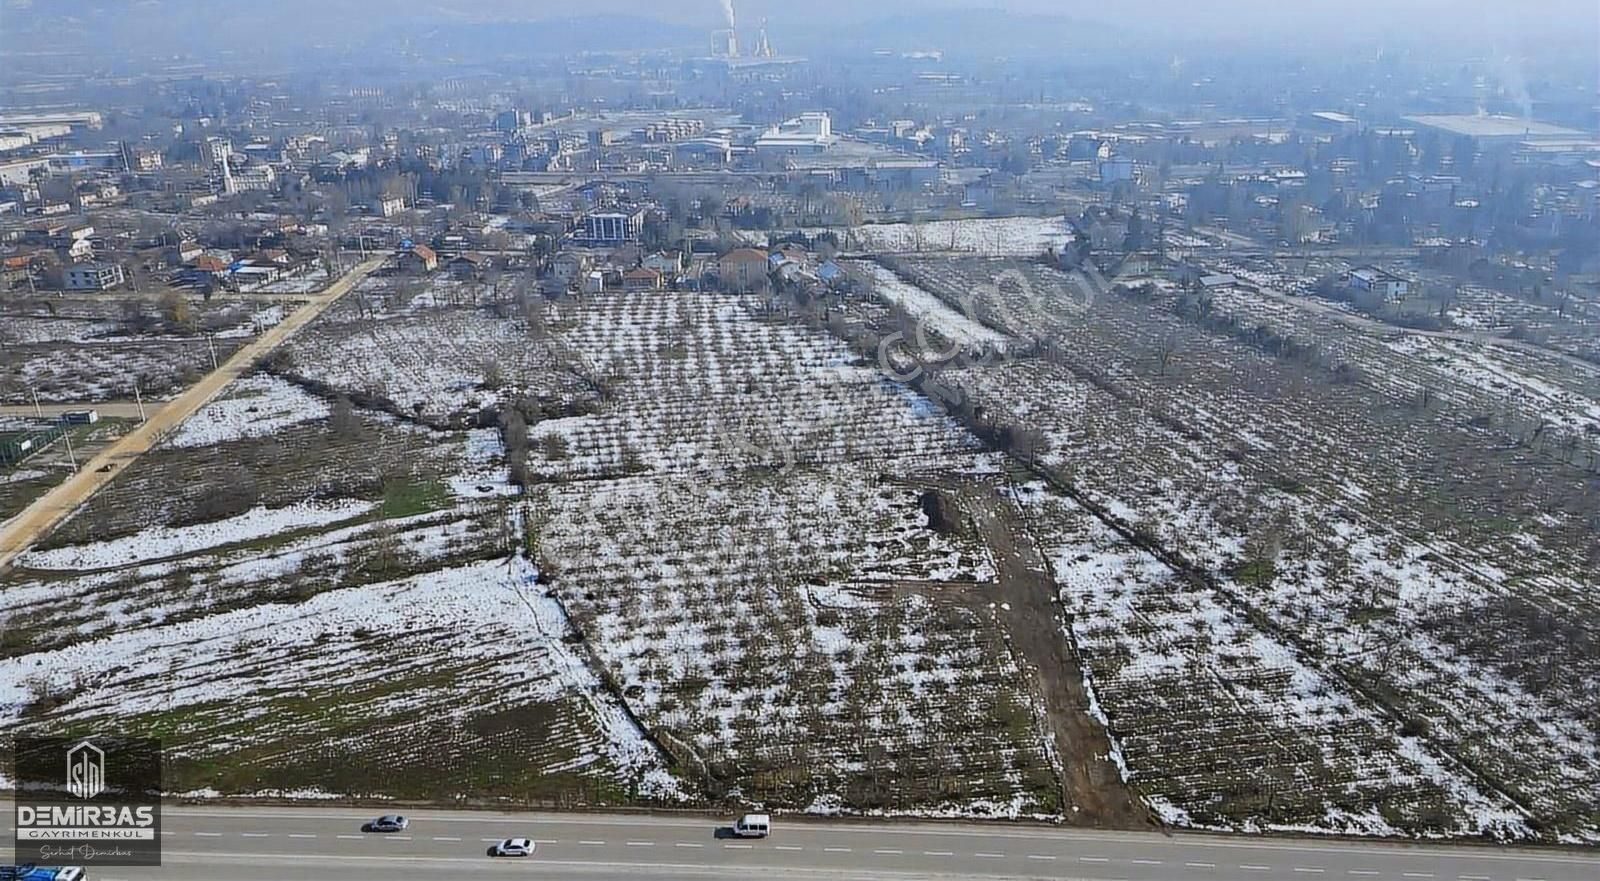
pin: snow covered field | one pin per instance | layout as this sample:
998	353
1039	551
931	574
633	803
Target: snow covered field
255	406
468	642
928	309
161	541
1318	579
1379	549
989	236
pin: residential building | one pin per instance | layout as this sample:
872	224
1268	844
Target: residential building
612	227
1374	280
1118	169
419	258
254	177
389	206
668	263
470	265
742	268
641	278
569	266
91	276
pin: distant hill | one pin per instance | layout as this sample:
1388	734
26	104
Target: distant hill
599	33
960	32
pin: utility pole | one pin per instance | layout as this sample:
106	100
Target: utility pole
36	411
71	456
211	344
139	398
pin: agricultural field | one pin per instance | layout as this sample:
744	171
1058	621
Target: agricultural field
86	350
1379	548
345	573
1106	555
672	548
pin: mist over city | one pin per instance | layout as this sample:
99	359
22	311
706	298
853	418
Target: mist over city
708	440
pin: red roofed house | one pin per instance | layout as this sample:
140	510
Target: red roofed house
742	268
419	258
642	278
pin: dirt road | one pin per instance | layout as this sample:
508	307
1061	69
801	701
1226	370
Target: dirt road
1027	605
39	518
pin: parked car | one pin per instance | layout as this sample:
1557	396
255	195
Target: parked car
513	847
753	826
32	872
386	823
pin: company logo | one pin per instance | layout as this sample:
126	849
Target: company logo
105	810
86	770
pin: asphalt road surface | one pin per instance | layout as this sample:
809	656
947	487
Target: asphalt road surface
49	510
308	844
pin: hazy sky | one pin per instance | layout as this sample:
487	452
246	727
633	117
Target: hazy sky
1519	22
1508	26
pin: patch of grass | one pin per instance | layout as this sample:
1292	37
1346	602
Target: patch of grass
408	498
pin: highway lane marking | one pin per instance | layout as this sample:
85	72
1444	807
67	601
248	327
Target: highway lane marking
1196	841
836	850
352	837
1417	874
640	843
1145	862
784	847
687	844
255	834
1201	865
1040	856
1254	868
1473	877
887	850
435	838
546	841
988	855
738	846
396	838
208	834
1362	872
302	835
588	841
938	853
1094	859
1069	838
1313	870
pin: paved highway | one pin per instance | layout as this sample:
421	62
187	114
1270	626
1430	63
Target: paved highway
326	844
49	510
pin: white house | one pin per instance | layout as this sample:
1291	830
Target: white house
1373	279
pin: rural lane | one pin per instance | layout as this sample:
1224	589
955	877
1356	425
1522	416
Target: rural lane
48	511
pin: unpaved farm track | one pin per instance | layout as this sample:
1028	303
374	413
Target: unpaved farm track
47	512
1024	603
1028	606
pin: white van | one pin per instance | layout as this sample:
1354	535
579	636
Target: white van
753	826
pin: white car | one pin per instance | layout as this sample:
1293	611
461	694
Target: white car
753	826
513	847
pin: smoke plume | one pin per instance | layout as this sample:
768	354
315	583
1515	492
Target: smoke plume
727	12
